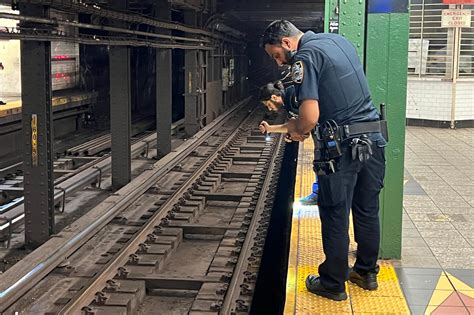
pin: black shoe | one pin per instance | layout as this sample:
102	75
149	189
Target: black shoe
3	103
313	284
366	282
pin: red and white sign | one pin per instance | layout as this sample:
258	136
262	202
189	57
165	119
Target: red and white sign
458	1
456	18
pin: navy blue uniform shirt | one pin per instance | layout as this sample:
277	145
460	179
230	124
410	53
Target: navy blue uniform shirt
289	101
326	68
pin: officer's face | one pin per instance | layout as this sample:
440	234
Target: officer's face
273	104
279	53
276	53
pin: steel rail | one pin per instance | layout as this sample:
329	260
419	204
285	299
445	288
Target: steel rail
99	281
70	185
39	264
233	290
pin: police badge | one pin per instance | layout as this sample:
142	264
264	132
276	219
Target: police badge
297	72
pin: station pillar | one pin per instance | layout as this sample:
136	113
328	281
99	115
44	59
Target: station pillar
164	86
37	121
379	31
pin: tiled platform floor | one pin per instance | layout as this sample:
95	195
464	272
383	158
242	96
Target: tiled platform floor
436	272
437	265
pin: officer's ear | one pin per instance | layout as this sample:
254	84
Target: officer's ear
274	98
286	43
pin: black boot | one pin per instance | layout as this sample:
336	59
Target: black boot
313	284
2	103
366	282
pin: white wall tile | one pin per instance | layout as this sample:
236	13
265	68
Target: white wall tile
429	98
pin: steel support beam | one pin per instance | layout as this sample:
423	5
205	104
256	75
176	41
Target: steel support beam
120	109
37	136
386	68
164	88
348	19
384	51
191	125
120	115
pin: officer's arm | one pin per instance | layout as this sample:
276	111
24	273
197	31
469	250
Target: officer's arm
308	117
305	73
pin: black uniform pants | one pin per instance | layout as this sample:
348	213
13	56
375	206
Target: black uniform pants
354	185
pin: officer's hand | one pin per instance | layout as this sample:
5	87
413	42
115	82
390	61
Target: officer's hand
264	127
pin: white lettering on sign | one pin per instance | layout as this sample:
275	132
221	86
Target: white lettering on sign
456	18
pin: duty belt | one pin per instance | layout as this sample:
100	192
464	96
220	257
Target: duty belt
350	131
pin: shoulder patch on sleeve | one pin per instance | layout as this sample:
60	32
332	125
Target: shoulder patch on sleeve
297	72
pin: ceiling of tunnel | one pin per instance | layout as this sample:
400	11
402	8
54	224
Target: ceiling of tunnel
253	16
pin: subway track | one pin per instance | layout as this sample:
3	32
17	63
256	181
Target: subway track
186	236
73	174
85	164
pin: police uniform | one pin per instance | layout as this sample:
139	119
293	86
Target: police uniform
289	101
326	68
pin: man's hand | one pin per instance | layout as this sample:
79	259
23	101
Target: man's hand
264	127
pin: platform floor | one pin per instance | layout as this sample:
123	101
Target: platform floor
435	275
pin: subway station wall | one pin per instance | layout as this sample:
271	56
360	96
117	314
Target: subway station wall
431	99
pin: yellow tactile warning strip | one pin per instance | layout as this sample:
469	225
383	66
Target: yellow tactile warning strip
14	107
306	253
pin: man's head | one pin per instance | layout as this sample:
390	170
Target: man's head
271	96
280	39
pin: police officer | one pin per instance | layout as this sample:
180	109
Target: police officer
332	90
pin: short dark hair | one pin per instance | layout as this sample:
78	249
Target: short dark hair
269	89
276	31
